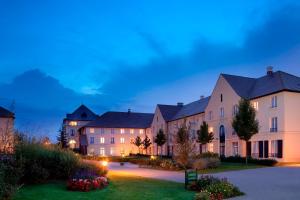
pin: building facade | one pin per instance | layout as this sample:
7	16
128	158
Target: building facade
6	130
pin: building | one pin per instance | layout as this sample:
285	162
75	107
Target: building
6	130
72	125
276	98
113	133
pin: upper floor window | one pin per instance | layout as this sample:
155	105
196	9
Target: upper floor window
235	148
141	131
222	112
235	110
72	132
255	105
210	115
274	101
92	130
112	131
221	97
122	130
131	131
122	140
274	124
157	118
102	130
91	140
102	140
73	123
112	140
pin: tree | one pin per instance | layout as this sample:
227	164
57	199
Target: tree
184	147
146	143
62	138
138	142
160	140
245	123
204	136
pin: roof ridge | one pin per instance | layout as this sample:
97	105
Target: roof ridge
223	74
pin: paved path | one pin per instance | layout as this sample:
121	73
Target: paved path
275	183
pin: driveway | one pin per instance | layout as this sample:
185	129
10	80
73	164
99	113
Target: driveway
282	183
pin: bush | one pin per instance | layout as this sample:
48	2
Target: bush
206	163
239	159
202	196
10	173
208	155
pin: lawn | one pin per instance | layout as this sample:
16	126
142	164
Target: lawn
226	166
121	187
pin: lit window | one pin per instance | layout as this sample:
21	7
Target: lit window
92	151
112	131
211	129
122	140
211	147
222	112
274	101
274	124
73	123
235	148
112	151
102	140
91	140
112	140
102	151
92	130
102	130
131	131
255	105
122	131
72	144
141	131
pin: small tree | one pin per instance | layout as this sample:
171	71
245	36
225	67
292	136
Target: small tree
204	136
160	140
245	123
146	143
184	147
62	138
138	142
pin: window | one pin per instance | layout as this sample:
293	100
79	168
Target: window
73	123
92	130
210	115
274	122
122	140
112	140
255	105
102	130
102	151
221	97
91	140
235	148
112	151
72	144
141	131
102	140
112	131
222	112
157	118
131	131
255	149
122	131
274	148
274	101
235	110
72	132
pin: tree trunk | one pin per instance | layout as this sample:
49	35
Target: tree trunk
246	153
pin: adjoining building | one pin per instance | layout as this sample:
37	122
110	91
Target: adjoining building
114	133
6	130
72	125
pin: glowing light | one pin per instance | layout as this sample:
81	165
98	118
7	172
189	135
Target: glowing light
152	157
72	142
104	163
73	123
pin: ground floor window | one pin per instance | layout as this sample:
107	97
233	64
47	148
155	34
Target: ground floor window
112	151
276	149
102	151
254	149
235	148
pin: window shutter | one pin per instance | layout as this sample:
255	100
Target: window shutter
261	148
266	148
279	146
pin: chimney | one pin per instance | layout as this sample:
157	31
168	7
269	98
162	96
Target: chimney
179	104
129	110
269	70
202	97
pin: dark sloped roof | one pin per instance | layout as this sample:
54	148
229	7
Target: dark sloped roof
251	88
6	113
169	111
82	113
123	120
193	108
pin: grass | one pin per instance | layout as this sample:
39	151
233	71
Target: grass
226	166
121	187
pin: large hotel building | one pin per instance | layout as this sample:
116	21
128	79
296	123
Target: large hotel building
275	97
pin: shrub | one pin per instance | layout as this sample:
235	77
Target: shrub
10	173
239	159
208	155
202	196
225	188
205	163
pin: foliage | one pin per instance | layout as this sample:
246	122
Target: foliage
147	143
204	136
239	159
206	163
184	147
207	155
138	142
245	123
202	196
62	138
160	140
10	173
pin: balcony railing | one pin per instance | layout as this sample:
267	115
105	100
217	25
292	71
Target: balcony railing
272	130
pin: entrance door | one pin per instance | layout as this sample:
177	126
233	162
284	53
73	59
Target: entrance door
222	140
